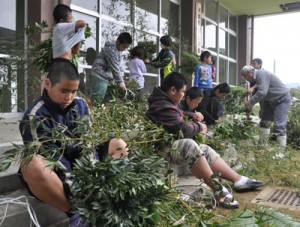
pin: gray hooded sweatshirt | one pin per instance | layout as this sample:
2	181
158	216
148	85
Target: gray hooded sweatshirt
107	64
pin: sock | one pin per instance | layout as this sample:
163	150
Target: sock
241	181
223	192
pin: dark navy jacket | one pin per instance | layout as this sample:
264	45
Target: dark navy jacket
43	116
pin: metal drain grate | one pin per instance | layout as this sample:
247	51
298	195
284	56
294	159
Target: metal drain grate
278	197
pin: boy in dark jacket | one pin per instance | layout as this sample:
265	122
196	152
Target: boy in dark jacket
201	159
211	106
58	107
193	96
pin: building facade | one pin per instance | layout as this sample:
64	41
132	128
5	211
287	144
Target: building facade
194	25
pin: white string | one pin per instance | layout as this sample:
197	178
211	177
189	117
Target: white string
18	201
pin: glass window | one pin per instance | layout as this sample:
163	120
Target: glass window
232	22
110	31
232	73
89	44
222	70
232	46
202	35
223	42
12	83
88	4
223	23
147	15
170	18
211	9
211	36
119	9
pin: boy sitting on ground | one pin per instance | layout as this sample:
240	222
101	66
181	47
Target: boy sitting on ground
202	160
58	107
211	106
192	98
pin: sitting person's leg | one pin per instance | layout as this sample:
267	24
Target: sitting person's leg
218	165
45	183
188	152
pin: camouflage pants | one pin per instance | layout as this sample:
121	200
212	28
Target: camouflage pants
187	152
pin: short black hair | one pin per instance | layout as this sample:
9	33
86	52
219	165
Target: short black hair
62	68
223	88
61	11
125	37
166	40
257	60
193	93
173	79
137	51
204	54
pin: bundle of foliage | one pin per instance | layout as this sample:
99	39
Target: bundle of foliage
235	128
295	92
125	192
293	126
189	62
234	101
149	49
259	217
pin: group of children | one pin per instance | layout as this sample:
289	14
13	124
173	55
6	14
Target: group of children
58	106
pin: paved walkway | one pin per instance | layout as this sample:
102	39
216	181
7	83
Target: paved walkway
9	129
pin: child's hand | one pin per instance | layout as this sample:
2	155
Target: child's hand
147	60
218	121
122	87
198	117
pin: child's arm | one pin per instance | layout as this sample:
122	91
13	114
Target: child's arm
115	65
166	60
79	24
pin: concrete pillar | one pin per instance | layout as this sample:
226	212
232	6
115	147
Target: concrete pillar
245	42
38	10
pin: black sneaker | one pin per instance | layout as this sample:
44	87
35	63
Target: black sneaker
250	185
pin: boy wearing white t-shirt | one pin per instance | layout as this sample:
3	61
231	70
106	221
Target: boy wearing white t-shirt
67	34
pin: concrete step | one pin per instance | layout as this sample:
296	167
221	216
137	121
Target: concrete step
9	180
18	215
